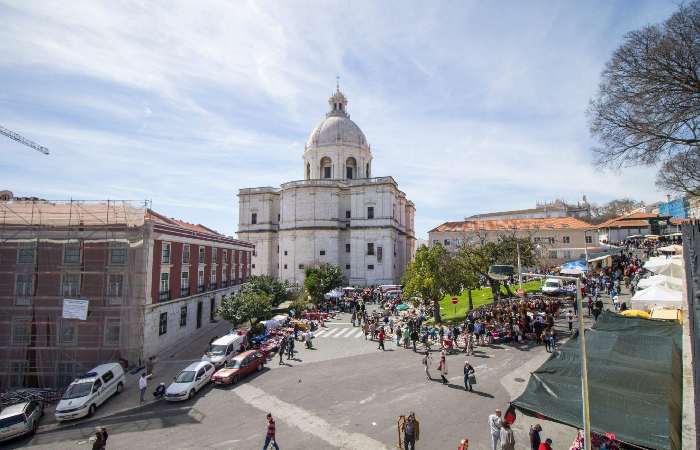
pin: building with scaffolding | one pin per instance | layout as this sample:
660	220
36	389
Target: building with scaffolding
149	283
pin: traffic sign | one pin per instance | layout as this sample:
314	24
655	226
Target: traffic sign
455	300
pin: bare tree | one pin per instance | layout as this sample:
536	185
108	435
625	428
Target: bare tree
647	110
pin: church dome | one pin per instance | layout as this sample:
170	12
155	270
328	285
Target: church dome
337	128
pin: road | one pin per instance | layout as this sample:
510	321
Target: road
344	394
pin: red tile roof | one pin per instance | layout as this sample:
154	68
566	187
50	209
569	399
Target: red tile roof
156	217
510	224
633	220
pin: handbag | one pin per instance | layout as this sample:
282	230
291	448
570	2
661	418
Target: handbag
472	379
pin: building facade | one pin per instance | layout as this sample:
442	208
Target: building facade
146	284
558	239
337	214
556	208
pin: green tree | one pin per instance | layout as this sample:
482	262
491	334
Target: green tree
322	279
277	290
245	306
469	277
431	275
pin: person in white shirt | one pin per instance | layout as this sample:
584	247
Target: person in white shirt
495	424
143	384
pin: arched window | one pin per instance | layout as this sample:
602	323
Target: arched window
350	168
326	167
367	171
308	171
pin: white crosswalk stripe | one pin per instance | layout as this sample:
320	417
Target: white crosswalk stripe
320	333
331	332
359	333
342	332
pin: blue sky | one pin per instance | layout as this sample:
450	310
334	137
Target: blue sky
471	106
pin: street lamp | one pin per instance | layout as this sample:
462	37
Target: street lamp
584	360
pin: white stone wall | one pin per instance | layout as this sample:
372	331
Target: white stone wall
338	156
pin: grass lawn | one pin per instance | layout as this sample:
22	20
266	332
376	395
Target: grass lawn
457	313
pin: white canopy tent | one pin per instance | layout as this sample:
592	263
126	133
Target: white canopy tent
672	266
673	248
656	296
662	280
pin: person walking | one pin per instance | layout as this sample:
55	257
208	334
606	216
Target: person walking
270	437
507	437
143	385
535	439
427	360
290	349
495	424
380	338
282	350
414	338
468	372
411	432
443	366
570	320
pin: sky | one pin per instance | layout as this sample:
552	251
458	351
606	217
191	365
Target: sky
472	106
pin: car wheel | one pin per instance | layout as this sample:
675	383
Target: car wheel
120	388
92	409
259	368
192	392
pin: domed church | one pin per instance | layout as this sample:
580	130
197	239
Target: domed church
337	214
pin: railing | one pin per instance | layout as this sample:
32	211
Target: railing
212	286
200	288
164	296
184	292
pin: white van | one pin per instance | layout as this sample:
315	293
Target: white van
552	286
82	397
223	349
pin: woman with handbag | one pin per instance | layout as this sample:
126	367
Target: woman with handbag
469	377
443	366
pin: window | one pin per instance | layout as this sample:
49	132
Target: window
550	240
301	266
347	248
117	253
253	266
380	253
183	316
552	254
589	239
567	254
347	214
566	239
285	266
224	257
214	252
66	373
538	239
115	285
113	327
184	284
26	253
165	253
163	324
254	218
20	330
326	172
447	242
70	284
202	254
107	376
200	281
23	286
285	253
185	253
370	212
348	173
71	254
370	248
67	333
322	253
370	266
17	371
164	293
347	266
212	279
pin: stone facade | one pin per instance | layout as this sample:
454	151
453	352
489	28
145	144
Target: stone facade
337	214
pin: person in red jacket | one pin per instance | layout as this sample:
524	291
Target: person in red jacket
546	445
380	337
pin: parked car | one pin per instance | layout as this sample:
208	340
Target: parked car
240	366
552	286
193	378
90	390
224	349
20	419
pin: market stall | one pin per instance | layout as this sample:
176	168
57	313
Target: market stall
656	295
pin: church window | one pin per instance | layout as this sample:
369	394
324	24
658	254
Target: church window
326	172
308	171
254	218
370	212
301	266
253	266
367	170
326	167
347	214
370	266
285	253
347	248
370	248
350	168
285	266
322	253
347	266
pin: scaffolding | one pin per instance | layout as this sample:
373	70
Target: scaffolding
70	249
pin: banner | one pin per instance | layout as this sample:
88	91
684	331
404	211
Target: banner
75	309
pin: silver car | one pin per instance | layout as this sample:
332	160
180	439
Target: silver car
22	418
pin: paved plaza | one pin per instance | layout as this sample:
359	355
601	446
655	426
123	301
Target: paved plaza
344	393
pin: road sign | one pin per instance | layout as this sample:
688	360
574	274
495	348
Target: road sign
520	293
455	300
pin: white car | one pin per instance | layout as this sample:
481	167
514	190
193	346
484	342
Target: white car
552	286
193	378
90	390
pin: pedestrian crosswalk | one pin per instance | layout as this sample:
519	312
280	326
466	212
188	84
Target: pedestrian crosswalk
334	333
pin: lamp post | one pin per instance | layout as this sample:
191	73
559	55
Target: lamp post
585	412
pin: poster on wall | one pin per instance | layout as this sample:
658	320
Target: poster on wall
75	309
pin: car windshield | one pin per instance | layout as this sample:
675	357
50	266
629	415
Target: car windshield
217	350
77	390
551	284
234	364
12	420
185	376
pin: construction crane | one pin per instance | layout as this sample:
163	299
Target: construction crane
22	140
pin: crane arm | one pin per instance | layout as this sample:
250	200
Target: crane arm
22	140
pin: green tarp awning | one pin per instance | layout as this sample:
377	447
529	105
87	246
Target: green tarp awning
634	377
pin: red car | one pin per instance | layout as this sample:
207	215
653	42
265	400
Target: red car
240	366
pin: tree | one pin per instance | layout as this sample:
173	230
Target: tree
612	209
470	278
431	275
647	109
322	279
245	306
277	290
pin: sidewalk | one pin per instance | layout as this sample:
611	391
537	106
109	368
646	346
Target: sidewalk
165	369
